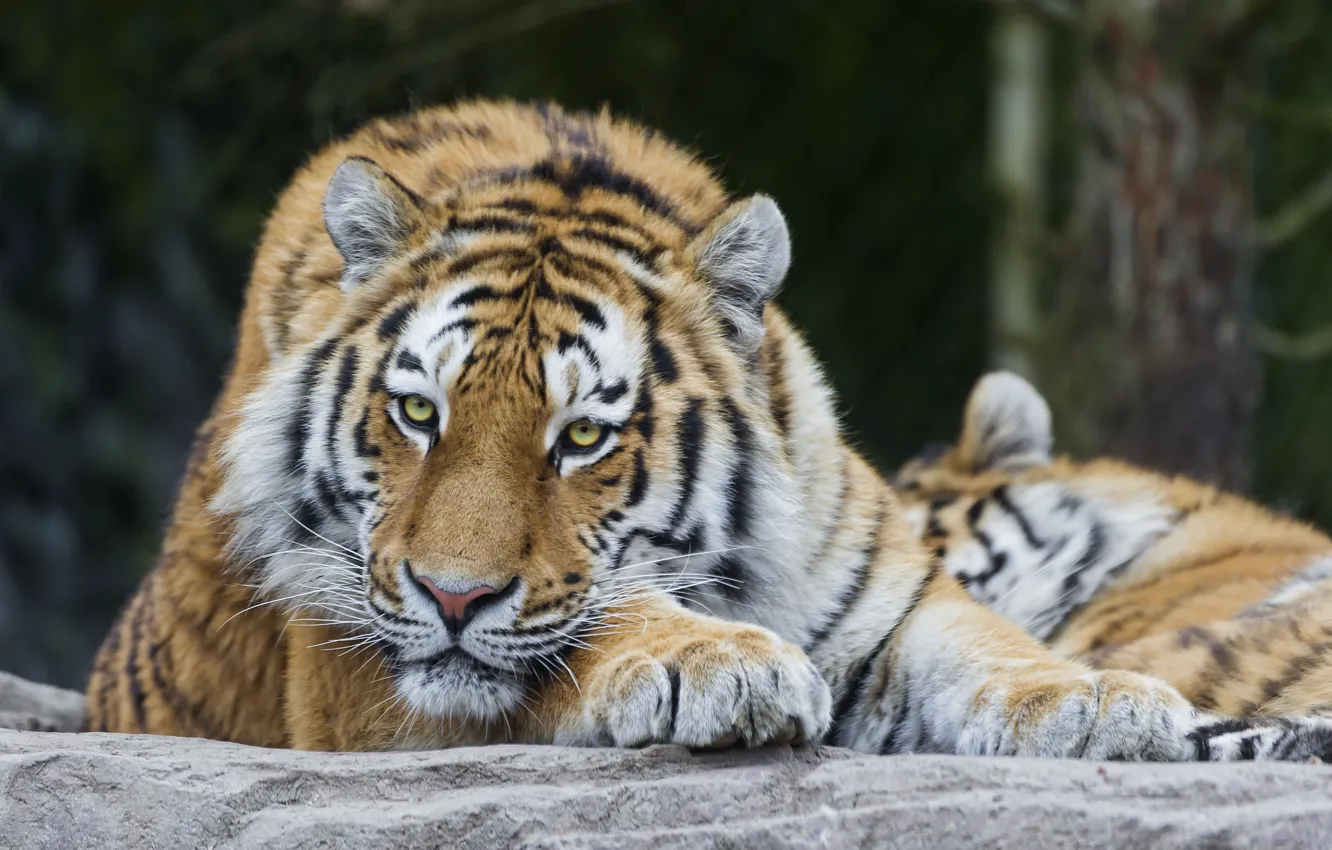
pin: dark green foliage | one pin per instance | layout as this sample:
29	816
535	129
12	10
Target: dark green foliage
1293	149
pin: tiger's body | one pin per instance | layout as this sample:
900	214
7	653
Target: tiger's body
515	448
1124	568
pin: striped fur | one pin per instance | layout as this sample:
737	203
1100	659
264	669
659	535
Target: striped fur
1127	569
722	567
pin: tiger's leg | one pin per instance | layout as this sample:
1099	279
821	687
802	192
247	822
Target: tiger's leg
1266	672
951	676
655	672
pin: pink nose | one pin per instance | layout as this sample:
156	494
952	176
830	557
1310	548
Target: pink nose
457	609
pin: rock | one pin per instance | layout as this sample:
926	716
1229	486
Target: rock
104	791
38	708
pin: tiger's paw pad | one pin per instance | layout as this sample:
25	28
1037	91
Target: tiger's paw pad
1111	715
745	687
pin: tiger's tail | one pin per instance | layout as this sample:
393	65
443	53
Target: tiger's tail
1299	739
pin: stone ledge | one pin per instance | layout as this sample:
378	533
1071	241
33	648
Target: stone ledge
103	791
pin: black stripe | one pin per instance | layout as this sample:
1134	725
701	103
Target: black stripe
494	223
390	616
1246	748
521	205
410	362
779	394
384	589
1296	670
741	513
998	560
643	412
1091	556
663	362
645	256
478	294
182	707
364	448
577	174
638	486
136	693
567	341
865	667
844	489
1002	499
589	311
856	586
298	428
736	578
567	263
889	745
1201	737
614	392
346	376
463	324
327	496
392	324
465	263
106	658
689	447
306	517
416	137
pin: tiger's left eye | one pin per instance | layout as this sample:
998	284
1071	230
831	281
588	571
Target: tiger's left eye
418	410
584	434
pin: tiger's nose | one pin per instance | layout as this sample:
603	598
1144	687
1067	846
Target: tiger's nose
458	609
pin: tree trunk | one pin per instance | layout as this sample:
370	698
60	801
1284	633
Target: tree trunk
1019	127
1149	353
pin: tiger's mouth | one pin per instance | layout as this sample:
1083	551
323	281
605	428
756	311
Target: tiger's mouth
455	683
454	657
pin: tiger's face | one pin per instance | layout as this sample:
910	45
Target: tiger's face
512	406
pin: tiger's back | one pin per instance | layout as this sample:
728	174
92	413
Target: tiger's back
1127	568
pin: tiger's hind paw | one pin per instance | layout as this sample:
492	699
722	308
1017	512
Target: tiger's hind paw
1111	715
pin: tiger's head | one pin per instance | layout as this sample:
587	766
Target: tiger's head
519	393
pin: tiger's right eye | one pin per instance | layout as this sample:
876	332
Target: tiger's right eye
419	411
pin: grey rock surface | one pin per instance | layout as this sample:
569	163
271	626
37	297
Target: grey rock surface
105	791
38	708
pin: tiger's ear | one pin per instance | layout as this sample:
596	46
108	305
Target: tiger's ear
1007	425
744	253
369	216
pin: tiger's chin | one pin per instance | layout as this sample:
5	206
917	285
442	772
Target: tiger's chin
455	685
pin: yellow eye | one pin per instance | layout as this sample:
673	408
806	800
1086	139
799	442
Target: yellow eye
584	433
419	410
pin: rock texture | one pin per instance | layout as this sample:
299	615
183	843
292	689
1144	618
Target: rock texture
38	708
104	791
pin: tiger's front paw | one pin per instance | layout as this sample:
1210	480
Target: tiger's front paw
1110	715
732	683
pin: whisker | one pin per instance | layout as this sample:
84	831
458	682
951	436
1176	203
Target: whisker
293	518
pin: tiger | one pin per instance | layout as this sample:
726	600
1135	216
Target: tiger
515	446
1126	568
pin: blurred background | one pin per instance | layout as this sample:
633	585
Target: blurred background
1125	201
